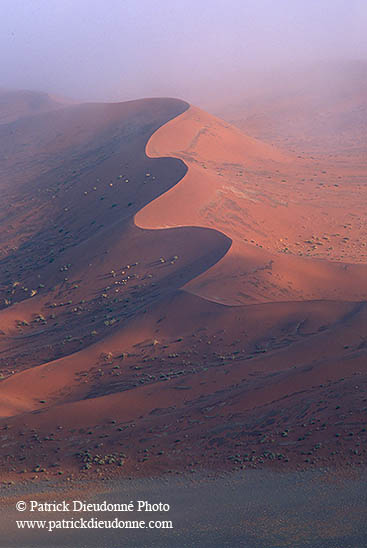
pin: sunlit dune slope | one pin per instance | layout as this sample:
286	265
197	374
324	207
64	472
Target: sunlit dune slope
283	226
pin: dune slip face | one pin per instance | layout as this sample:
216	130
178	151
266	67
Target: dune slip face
263	200
175	295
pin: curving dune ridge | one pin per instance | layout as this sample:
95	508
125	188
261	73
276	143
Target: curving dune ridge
229	187
119	220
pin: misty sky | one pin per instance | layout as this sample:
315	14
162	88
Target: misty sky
125	49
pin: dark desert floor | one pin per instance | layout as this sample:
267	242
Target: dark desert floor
252	509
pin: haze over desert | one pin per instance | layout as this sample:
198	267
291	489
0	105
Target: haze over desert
183	284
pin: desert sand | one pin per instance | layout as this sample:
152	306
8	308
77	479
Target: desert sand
176	296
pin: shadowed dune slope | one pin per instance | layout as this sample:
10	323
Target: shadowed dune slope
74	266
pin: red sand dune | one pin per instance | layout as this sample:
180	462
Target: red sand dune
198	305
228	188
